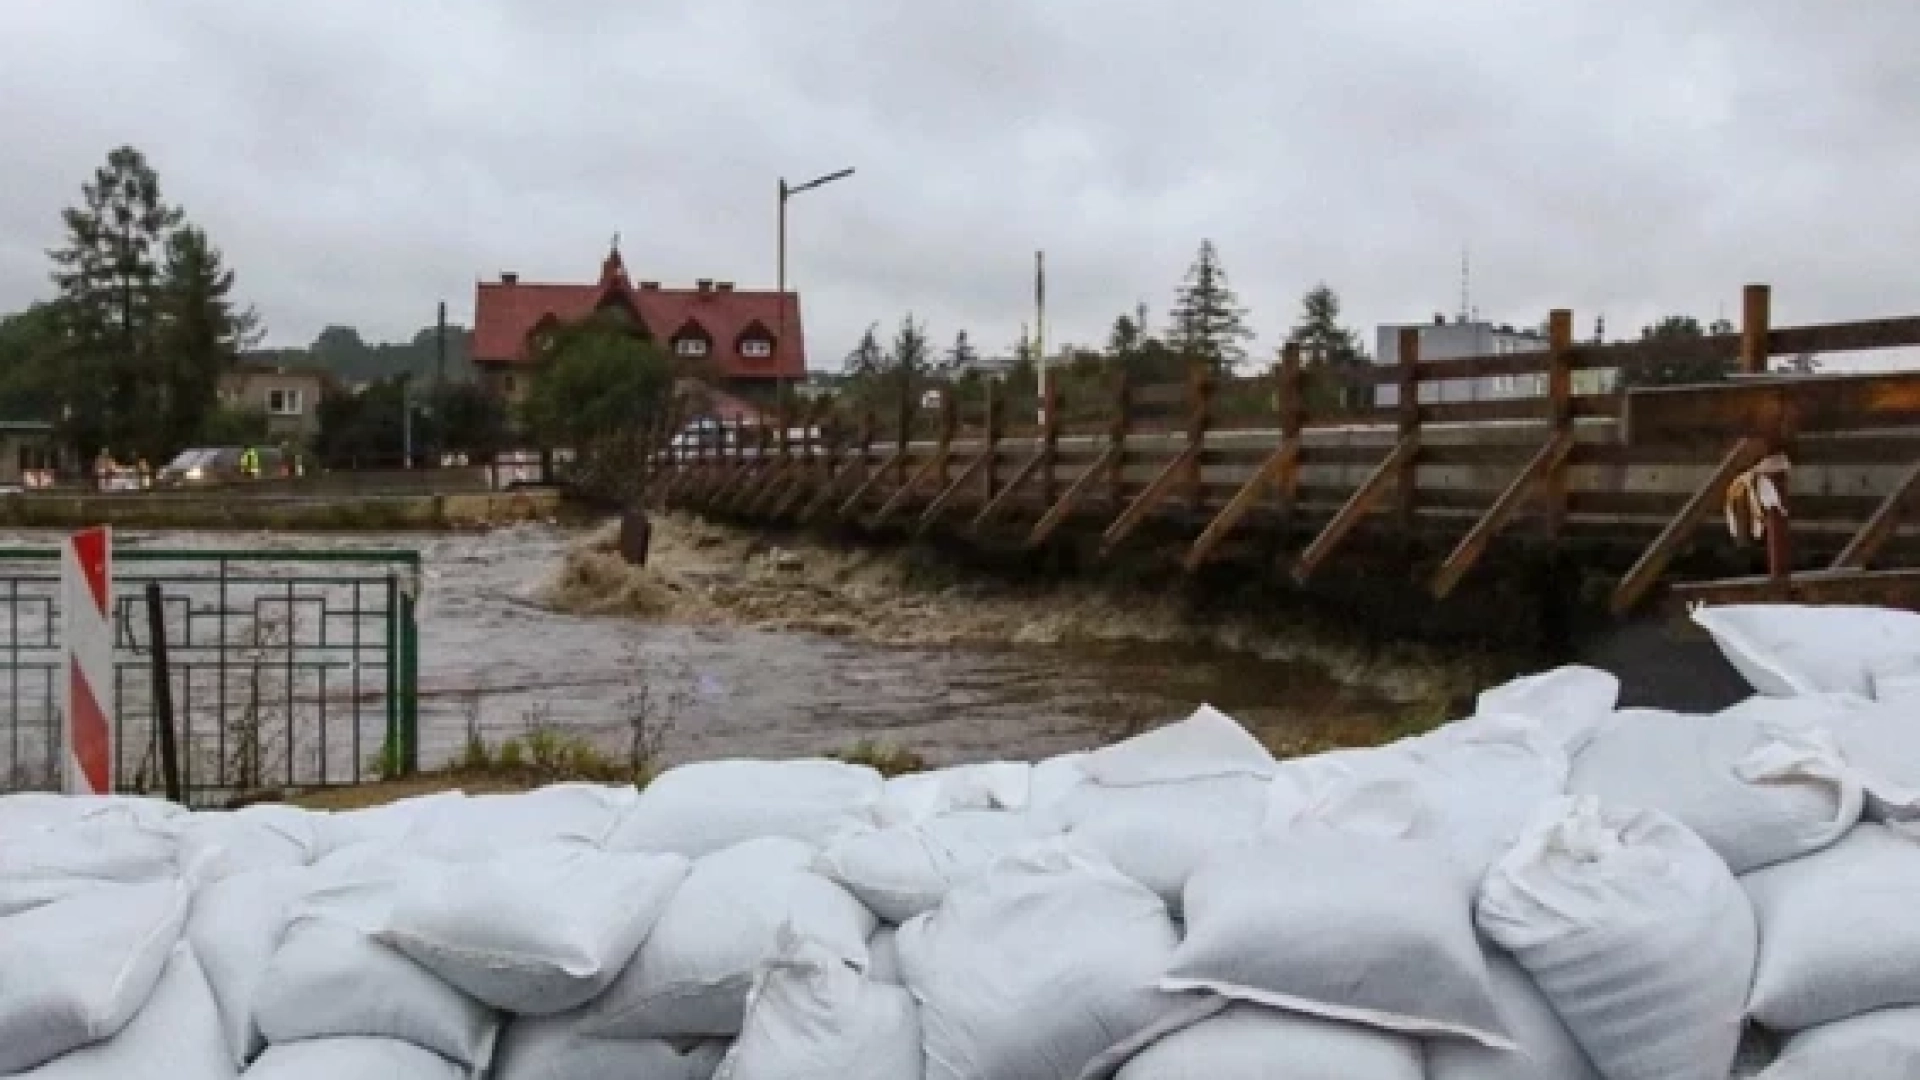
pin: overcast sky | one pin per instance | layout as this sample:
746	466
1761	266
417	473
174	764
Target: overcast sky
359	160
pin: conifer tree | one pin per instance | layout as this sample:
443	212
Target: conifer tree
1207	321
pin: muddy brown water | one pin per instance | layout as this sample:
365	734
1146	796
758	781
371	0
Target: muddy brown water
488	643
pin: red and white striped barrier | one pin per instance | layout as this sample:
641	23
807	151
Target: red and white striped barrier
86	604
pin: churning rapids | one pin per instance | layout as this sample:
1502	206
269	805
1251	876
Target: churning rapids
770	682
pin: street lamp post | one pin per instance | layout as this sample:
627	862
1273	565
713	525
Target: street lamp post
780	270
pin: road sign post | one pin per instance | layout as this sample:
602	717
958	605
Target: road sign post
87	690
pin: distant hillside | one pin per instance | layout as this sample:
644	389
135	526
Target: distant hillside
341	351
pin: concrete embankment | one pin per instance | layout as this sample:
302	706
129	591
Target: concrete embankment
239	509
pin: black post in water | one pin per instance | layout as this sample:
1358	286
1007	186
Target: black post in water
163	694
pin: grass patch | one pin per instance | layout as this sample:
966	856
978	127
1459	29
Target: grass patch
889	759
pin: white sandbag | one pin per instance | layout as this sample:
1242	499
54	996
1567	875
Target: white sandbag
1881	741
553	1048
1207	744
1895	678
25	812
1252	1042
1882	1045
385	824
176	1036
883	956
1567	703
1053	780
692	976
1543	1047
1037	968
1787	649
1157	834
235	928
1635	931
904	870
329	980
266	836
1344	926
702	808
1759	782
922	796
1838	935
813	1016
481	826
535	931
360	1058
76	971
117	843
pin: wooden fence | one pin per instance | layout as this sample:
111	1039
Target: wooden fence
1624	480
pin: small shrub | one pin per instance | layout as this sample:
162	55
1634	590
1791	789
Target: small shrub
512	756
889	759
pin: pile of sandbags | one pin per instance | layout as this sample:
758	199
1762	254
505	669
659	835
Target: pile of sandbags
1550	889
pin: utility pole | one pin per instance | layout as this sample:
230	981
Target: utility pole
1040	327
780	269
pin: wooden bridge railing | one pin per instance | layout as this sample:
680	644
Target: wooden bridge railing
1631	476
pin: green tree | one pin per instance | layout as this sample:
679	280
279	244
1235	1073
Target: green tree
469	418
1326	344
602	391
201	335
962	356
868	358
30	354
1680	362
1208	323
108	277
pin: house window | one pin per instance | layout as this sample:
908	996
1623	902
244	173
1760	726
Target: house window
690	347
757	348
508	383
283	402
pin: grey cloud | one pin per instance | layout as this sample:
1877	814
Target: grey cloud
361	160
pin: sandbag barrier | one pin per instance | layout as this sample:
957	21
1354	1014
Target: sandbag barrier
1550	889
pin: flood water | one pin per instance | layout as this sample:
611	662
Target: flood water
490	650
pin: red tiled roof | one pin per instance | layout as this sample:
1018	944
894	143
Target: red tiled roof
504	314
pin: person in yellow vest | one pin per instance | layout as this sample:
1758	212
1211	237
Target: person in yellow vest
250	463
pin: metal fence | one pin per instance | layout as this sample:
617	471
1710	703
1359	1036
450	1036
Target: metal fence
286	669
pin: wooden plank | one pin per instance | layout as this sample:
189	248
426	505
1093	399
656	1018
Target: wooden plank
1474	544
1058	512
1800	404
834	482
1356	507
929	467
1005	496
807	485
1279	463
1756	318
1553	482
1173	473
1710	497
1845	337
1406	482
1882	588
866	485
939	504
1874	533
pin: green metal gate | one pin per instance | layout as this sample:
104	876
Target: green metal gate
287	669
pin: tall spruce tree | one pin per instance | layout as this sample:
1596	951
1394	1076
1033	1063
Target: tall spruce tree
108	276
202	332
867	358
1325	343
1208	323
962	356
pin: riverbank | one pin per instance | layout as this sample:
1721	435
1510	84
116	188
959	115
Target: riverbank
701	573
282	511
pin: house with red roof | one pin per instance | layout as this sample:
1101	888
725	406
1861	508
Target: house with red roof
750	339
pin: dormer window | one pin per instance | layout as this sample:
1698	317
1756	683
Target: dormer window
756	348
694	347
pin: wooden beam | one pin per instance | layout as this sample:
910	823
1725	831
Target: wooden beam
939	504
1535	477
866	485
1553	483
1175	472
1756	320
1356	508
1057	513
836	480
1801	404
927	468
1882	588
1880	527
1279	463
1027	470
800	490
749	494
1845	337
1406	481
1633	587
